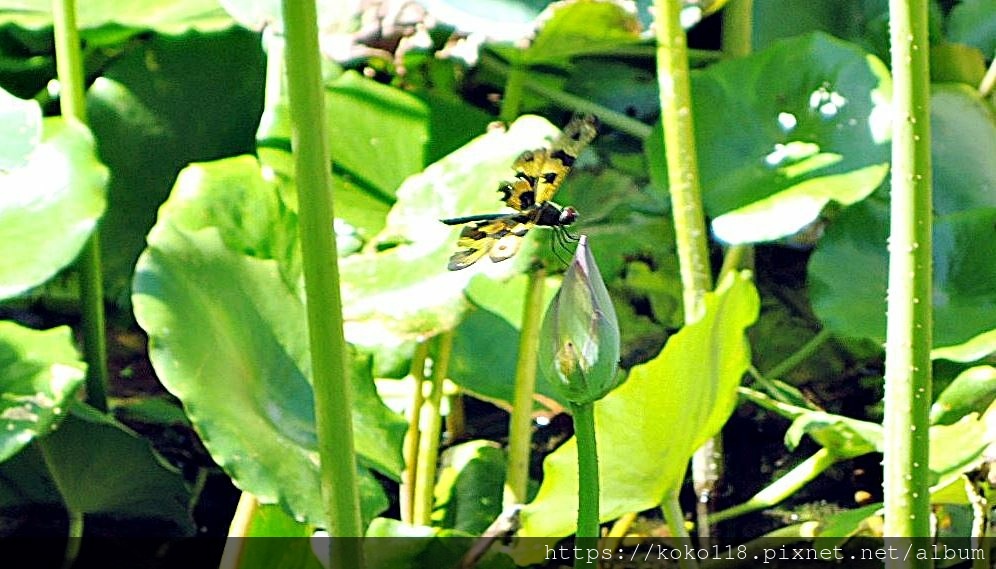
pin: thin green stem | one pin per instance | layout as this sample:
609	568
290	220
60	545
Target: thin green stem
588	492
778	391
675	519
75	516
456	419
69	66
329	358
428	455
783	488
511	102
738	28
800	355
736	258
75	539
410	475
682	159
616	120
73	102
909	318
520	421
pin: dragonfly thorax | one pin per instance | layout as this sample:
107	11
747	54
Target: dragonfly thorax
551	215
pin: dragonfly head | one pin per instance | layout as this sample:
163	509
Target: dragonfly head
568	215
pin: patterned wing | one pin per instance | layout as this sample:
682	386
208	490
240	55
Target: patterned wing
499	238
539	173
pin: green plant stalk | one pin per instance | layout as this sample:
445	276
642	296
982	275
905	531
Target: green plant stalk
683	176
520	420
675	519
74	516
616	120
73	102
75	539
800	355
736	258
329	358
411	444
781	489
512	100
909	315
588	492
738	28
456	418
682	159
428	448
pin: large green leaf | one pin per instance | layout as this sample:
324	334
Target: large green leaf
973	22
406	292
963	143
227	336
52	197
99	466
848	276
783	133
96	466
294	549
848	271
378	137
577	27
39	373
687	392
843	18
621	221
378	134
164	103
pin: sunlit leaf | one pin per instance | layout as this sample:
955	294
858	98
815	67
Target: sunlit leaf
227	336
52	194
39	373
776	146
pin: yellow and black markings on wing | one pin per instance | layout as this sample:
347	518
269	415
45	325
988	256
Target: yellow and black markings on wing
538	175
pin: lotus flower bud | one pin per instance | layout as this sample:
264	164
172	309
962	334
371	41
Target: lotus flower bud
579	341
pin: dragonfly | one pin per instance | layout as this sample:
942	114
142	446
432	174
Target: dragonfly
538	175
